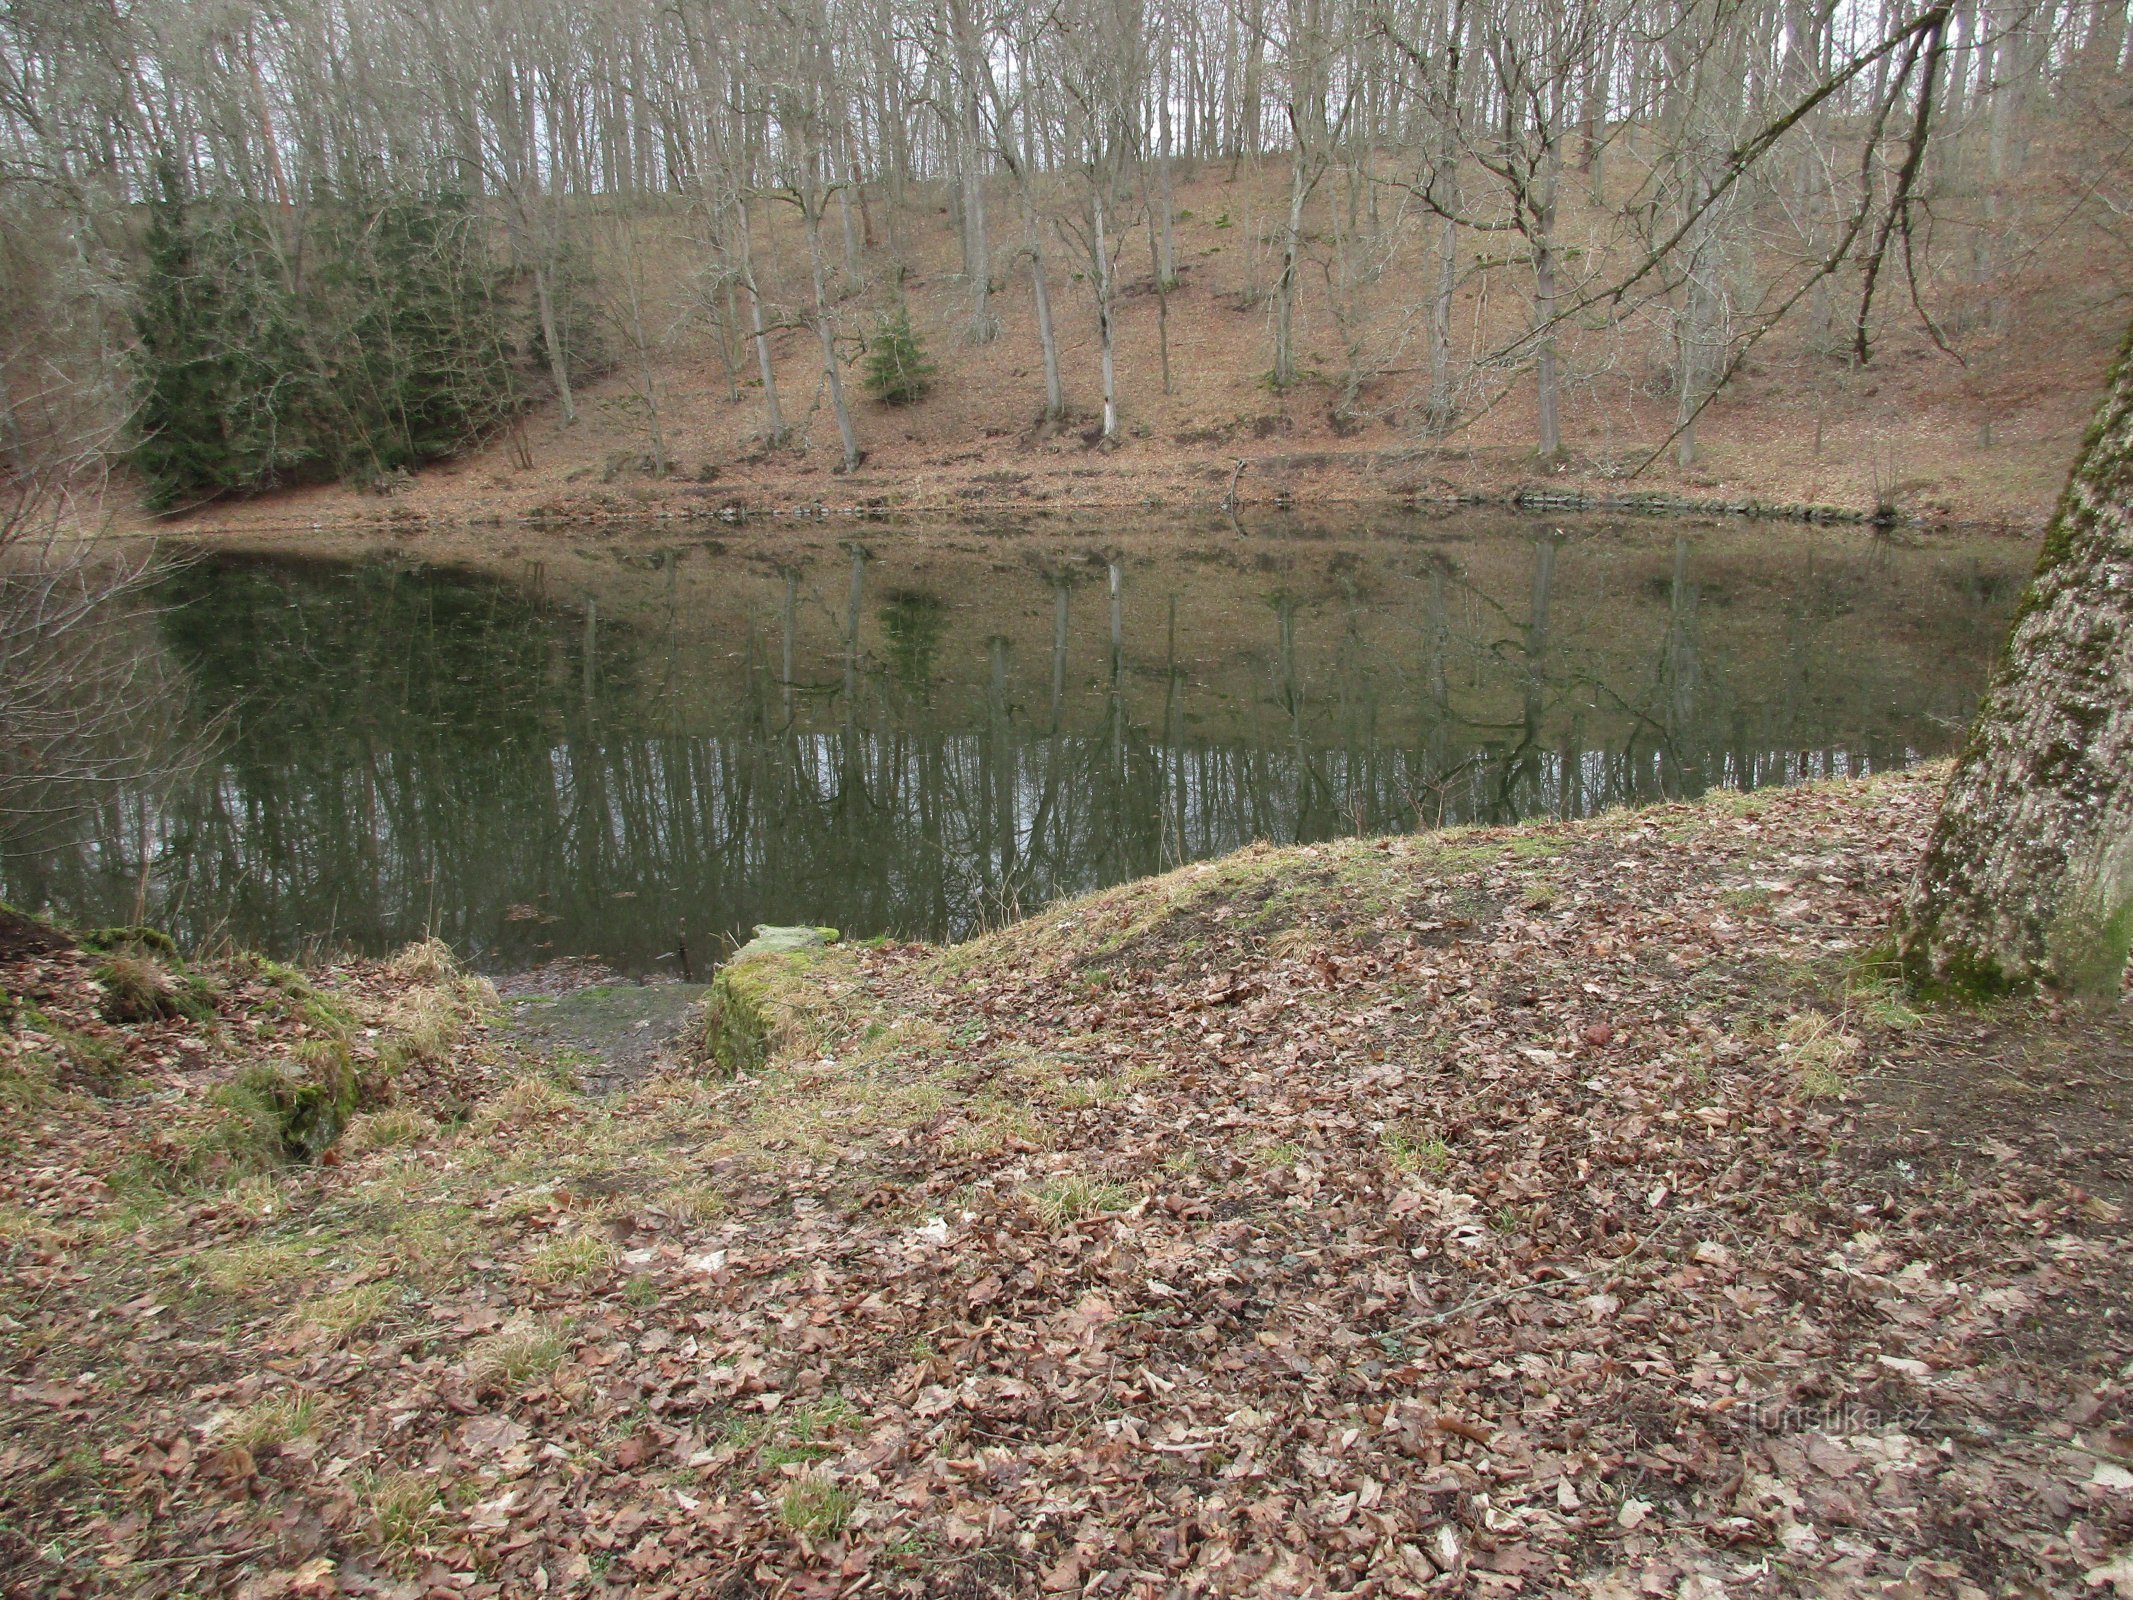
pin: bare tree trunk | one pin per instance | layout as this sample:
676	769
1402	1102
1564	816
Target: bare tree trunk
1442	407
1551	436
1696	331
728	353
774	417
1248	102
1285	286
854	275
1162	283
811	215
2028	877
1103	322
1166	272
984	326
1040	287
558	367
1020	164
629	318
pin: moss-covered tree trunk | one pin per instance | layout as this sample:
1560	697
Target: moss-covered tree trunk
2028	878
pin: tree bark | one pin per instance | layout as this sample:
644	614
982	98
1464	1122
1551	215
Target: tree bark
1285	286
774	416
811	206
2028	877
1041	289
1105	331
552	345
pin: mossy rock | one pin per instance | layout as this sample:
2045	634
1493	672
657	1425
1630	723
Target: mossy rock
273	1117
140	987
771	941
751	996
141	940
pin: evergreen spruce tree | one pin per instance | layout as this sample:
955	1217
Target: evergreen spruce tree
389	352
221	394
420	367
898	372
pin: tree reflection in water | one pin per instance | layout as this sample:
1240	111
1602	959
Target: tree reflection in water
920	735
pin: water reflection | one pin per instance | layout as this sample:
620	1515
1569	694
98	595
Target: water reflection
583	752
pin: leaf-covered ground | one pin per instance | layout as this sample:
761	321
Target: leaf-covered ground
1563	1210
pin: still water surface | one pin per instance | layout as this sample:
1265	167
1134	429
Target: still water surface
582	744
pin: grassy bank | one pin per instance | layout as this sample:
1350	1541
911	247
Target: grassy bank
1561	1209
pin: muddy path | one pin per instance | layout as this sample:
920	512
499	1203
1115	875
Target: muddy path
607	1032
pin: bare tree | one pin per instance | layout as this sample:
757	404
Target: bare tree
799	97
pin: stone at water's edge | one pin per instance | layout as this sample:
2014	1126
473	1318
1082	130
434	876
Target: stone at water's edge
770	941
739	1020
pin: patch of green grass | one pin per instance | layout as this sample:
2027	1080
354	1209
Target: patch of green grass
1072	1197
817	1509
1887	1006
1537	846
783	1454
22	1227
273	1420
759	1009
401	1509
1078	1094
137	940
526	1100
269	1117
96	1064
1728	802
27	1084
341	1315
1820	1053
253	1266
1276	1154
572	1258
991	1123
422	1029
813	1419
429	962
259	1198
1410	1151
518	1354
1876	991
743	1433
693	1204
432	1241
388	1129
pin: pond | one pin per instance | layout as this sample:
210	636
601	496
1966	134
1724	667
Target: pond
612	743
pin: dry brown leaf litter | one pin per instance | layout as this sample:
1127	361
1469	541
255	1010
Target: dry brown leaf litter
1492	1213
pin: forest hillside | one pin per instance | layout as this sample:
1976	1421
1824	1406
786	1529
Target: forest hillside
1978	431
523	258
